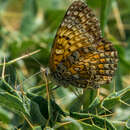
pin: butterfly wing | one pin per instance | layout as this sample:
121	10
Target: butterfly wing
94	68
79	28
78	50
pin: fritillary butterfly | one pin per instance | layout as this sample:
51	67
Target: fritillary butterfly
80	56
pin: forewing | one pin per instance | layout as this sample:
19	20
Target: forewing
79	29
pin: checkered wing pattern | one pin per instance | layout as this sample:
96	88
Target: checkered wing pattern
80	56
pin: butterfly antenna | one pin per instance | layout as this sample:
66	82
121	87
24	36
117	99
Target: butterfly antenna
37	61
41	66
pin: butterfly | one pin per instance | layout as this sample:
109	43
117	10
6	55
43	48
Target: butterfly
80	56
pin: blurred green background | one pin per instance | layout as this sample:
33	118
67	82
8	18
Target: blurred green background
29	25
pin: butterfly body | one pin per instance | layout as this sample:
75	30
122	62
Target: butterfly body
80	56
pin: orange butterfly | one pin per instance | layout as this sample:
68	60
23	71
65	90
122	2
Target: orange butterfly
80	56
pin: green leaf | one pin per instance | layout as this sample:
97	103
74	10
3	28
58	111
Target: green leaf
109	103
105	9
93	120
88	96
10	75
32	115
37	128
94	106
36	116
71	124
90	127
94	3
118	80
50	15
11	102
5	116
115	98
128	124
56	111
28	24
6	87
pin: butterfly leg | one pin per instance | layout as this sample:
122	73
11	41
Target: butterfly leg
98	92
98	89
